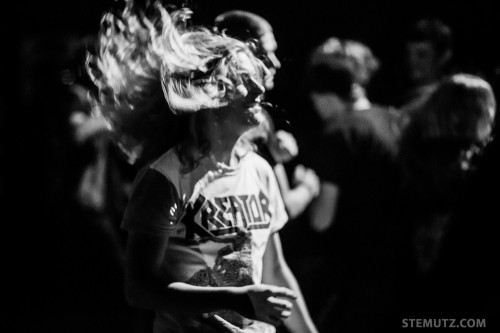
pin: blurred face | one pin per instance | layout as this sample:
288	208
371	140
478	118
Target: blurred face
479	139
422	62
362	74
266	53
485	125
245	108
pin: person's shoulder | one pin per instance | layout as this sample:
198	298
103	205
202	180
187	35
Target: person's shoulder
253	157
351	125
254	161
167	164
381	108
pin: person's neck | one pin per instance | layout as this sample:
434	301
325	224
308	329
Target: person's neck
222	138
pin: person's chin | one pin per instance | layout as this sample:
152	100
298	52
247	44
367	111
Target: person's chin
269	84
255	115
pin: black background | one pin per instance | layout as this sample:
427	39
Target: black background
32	119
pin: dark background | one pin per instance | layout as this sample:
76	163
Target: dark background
33	116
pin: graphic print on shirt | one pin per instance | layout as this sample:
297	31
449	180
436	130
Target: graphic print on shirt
226	215
233	267
229	220
219	222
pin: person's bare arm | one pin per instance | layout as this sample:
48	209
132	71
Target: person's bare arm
276	272
146	288
323	209
305	189
87	127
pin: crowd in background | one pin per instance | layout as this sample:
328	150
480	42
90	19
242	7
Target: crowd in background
388	203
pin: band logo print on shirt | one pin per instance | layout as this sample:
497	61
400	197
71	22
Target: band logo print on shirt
226	215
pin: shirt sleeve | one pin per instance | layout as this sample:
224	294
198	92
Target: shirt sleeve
154	206
280	217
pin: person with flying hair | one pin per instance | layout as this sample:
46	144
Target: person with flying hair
203	246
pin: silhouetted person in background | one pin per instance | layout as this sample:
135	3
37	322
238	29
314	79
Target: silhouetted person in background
100	184
464	279
439	151
428	55
353	214
339	72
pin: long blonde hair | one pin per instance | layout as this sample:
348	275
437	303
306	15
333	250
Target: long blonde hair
143	61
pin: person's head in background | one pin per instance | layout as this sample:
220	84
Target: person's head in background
351	61
330	91
428	51
337	72
258	33
247	26
448	131
354	54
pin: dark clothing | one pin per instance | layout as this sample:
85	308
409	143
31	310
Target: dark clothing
464	279
361	250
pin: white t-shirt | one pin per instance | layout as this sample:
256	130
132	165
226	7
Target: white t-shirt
218	221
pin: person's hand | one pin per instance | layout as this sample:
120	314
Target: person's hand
271	304
308	178
87	127
283	146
